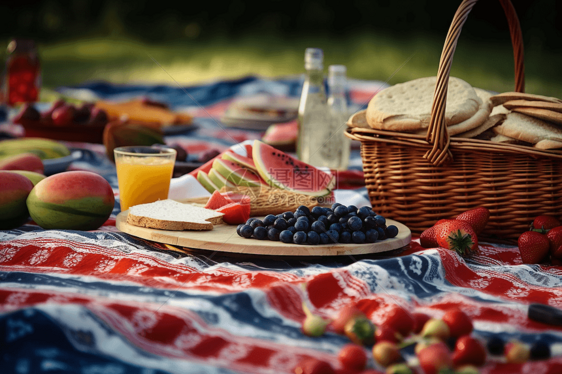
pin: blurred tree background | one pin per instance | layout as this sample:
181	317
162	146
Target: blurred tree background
119	40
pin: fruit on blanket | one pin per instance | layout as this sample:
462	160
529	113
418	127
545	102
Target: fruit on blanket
235	213
516	352
546	222
283	171
122	134
345	314
428	239
360	330
457	236
533	247
435	358
388	334
83	112
27	114
458	322
63	115
219	180
206	182
282	135
398	369
24	161
469	351
554	237
398	319
435	328
477	218
242	161
419	320
14	189
73	200
386	353
353	357
31	175
98	116
44	148
424	343
235	174
311	365
217	200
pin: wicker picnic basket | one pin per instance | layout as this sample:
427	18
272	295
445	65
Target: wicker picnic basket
418	180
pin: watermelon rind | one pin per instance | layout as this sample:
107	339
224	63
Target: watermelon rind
237	175
281	161
206	182
245	162
219	180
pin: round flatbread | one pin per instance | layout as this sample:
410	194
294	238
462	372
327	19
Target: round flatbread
528	129
544	114
358	119
508	96
488	124
407	106
556	107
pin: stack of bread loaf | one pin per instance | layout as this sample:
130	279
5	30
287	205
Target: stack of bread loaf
512	117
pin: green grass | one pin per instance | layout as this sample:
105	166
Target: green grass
367	56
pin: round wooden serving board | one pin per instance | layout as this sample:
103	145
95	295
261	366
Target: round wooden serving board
223	238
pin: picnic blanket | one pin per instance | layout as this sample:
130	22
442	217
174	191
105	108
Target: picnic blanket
106	302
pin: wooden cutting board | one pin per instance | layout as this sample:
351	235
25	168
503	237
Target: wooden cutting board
223	238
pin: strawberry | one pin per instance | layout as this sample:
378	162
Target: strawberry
398	319
516	352
435	358
459	323
457	236
345	314
428	239
419	320
554	237
443	221
477	218
353	356
386	353
386	333
546	222
533	247
469	351
311	365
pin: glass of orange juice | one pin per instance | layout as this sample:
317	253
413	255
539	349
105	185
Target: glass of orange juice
143	174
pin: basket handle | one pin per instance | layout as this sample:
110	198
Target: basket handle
437	134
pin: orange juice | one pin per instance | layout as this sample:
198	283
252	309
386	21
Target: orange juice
143	178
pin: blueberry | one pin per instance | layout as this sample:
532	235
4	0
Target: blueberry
341	211
373	213
260	233
292	229
256	223
391	231
355	223
317	211
351	214
371	236
273	234
280	224
288	215
352	208
304	218
364	212
495	346
336	227
323	219
250	220
324	238
345	227
345	237
358	237
302	225
286	236
333	235
238	229
381	221
382	234
370	222
319	227
299	237
332	218
304	209
540	351
247	231
343	220
300	213
269	219
335	205
328	211
292	221
313	238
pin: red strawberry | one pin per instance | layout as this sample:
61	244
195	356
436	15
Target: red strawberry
428	239
345	314
546	222
443	221
419	320
388	334
533	247
311	365
554	237
477	218
469	351
353	356
459	323
398	319
435	358
457	236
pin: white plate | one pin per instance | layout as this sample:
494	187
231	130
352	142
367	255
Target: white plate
57	165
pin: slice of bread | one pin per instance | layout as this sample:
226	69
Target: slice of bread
174	216
508	96
544	114
528	129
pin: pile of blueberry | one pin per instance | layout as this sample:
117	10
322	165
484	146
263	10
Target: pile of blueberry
338	224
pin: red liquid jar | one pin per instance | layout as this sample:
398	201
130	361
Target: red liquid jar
23	72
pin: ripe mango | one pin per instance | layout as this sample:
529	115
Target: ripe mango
73	200
123	134
14	189
24	161
31	175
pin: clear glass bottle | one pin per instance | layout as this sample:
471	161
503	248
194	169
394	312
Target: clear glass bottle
313	110
337	145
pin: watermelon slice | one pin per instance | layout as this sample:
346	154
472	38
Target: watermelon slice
235	174
280	170
219	180
206	182
242	161
235	213
217	200
282	135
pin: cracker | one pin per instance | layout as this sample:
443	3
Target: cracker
528	129
407	106
544	114
508	96
556	107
